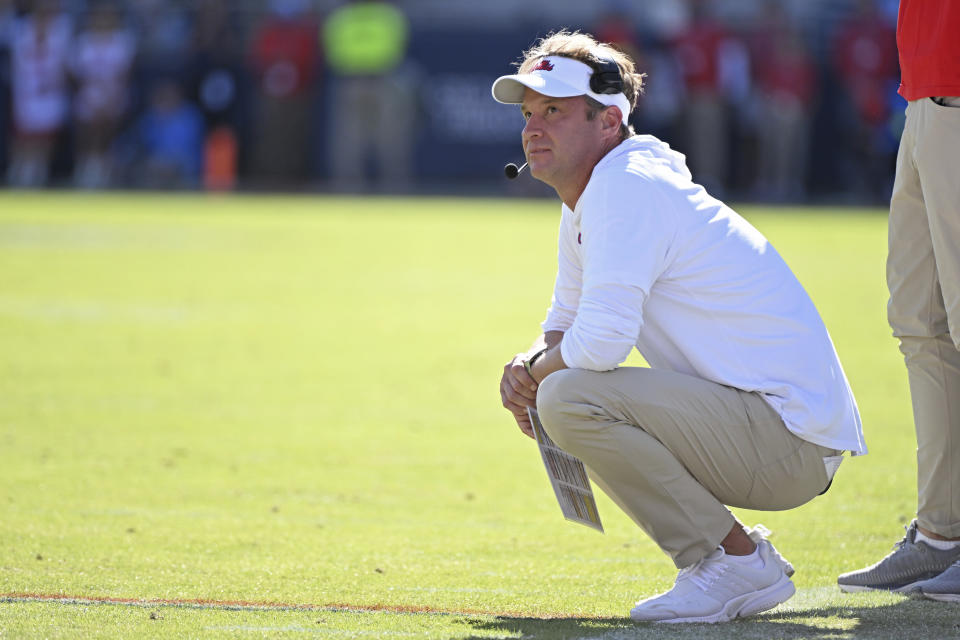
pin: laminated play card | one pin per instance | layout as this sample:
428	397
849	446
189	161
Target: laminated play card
568	478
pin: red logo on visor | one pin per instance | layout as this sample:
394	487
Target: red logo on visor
544	66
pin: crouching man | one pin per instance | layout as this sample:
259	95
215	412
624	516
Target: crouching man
744	403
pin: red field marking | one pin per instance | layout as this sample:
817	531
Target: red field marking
251	605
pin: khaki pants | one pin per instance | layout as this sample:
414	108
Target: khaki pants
372	115
706	121
671	450
923	274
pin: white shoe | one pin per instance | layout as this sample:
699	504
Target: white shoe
759	534
717	589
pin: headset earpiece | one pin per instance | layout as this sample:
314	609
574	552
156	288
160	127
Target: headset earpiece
606	78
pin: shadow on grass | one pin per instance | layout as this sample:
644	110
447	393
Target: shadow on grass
908	618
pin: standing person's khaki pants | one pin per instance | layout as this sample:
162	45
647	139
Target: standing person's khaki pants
671	450
923	274
706	122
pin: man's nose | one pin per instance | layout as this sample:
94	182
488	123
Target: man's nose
531	129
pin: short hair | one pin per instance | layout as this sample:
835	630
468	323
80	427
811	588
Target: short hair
583	47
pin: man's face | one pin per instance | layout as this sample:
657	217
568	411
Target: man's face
559	142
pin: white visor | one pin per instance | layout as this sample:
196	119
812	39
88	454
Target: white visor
557	77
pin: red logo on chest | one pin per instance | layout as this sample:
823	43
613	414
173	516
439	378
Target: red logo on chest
579	236
544	65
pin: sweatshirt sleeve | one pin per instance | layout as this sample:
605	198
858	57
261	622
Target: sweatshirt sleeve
566	289
627	231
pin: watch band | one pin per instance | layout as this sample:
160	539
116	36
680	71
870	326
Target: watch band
528	363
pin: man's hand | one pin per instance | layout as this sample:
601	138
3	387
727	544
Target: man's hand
518	391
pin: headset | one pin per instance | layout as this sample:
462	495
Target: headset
606	78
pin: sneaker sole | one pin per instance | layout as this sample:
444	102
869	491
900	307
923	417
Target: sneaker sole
747	604
942	597
856	588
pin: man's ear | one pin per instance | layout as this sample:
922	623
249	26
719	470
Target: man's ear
611	117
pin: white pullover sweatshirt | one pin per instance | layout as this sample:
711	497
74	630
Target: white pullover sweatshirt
648	259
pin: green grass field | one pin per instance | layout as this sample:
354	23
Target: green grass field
287	407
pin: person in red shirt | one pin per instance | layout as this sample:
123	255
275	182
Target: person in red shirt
923	275
865	58
865	61
702	50
285	59
786	80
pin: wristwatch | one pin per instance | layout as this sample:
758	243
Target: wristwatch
527	364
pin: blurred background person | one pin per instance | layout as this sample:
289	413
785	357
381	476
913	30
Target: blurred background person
284	58
373	101
164	32
657	111
165	145
101	66
40	92
786	81
714	67
7	20
865	60
218	81
616	27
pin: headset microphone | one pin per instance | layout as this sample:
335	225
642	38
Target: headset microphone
512	170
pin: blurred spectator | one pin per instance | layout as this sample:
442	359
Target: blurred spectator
660	106
786	85
216	67
374	96
7	20
865	59
101	66
164	31
167	140
616	27
657	111
217	81
284	56
40	49
714	65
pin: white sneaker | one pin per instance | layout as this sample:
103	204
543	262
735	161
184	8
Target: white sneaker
759	534
717	589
